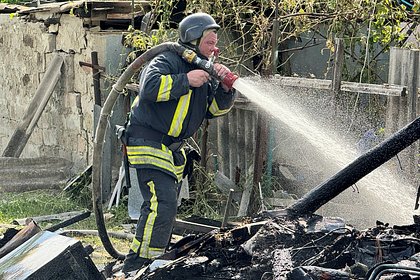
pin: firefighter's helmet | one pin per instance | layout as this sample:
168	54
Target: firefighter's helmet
191	28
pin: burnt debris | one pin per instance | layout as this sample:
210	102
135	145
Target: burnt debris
310	247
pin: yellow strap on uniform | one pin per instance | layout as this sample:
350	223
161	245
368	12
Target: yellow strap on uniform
179	172
155	252
179	169
162	158
135	245
215	111
180	113
135	101
165	88
163	154
153	161
150	222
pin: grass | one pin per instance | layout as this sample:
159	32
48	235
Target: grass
46	202
35	203
205	202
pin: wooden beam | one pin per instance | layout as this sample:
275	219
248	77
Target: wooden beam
204	142
34	111
226	213
241	141
111	16
223	144
21	237
38	219
249	141
404	69
385	89
338	67
259	159
193	226
118	7
94	232
70	221
232	143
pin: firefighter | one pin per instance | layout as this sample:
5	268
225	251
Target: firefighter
174	99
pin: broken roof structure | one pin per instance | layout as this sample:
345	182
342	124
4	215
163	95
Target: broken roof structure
94	13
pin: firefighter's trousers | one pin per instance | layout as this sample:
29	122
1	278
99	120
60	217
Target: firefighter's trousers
157	215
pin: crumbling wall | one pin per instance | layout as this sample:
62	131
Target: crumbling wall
65	128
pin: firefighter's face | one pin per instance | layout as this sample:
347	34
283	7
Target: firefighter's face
208	44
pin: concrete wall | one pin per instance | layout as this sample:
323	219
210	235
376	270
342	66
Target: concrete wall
65	128
316	61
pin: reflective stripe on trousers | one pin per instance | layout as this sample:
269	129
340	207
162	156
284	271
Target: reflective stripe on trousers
158	212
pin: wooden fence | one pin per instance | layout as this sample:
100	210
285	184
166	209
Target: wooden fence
404	69
237	143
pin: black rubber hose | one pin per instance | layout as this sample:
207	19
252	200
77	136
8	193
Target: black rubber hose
391	268
98	142
410	271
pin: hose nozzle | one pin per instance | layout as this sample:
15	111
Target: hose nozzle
229	79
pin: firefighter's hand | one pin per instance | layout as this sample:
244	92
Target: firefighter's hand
198	77
222	71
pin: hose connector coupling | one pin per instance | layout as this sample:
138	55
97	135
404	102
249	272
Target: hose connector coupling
189	55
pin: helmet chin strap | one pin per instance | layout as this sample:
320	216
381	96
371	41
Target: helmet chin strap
196	47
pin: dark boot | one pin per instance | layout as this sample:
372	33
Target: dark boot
133	262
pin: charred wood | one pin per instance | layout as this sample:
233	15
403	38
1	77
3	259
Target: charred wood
70	221
38	219
314	272
282	264
23	235
7	236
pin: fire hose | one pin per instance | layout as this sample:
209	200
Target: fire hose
383	268
117	89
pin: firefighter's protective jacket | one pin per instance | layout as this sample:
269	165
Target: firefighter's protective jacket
168	106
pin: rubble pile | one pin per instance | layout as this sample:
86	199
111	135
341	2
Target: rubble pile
272	246
311	247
